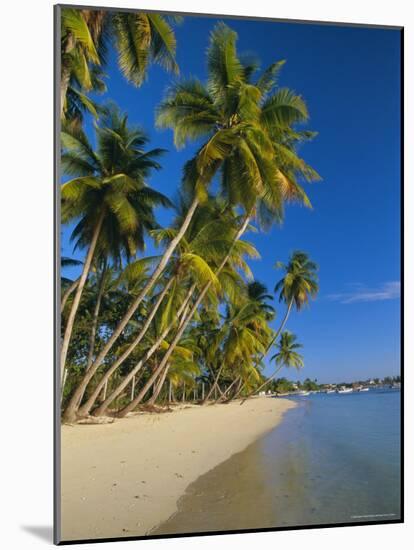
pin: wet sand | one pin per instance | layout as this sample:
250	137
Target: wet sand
226	498
253	489
124	479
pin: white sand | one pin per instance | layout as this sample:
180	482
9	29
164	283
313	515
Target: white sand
123	479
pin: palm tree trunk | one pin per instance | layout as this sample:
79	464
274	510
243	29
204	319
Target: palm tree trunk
65	374
92	337
105	390
237	379
102	408
184	311
132	388
214	386
70	412
95	317
158	387
84	410
239	385
67	293
263	385
213	377
79	290
131	406
282	326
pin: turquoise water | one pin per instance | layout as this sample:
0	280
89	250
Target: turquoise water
333	459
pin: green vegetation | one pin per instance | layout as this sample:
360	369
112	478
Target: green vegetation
190	323
139	39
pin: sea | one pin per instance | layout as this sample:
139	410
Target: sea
334	459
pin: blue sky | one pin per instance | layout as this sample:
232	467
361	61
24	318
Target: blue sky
350	79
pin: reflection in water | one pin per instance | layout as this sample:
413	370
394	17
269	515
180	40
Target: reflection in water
334	459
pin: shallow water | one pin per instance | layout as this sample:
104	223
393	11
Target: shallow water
333	459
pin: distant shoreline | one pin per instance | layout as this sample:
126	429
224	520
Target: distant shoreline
125	478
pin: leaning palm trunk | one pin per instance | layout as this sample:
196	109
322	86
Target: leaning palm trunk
102	408
71	409
271	377
84	410
65	374
131	406
232	397
96	311
267	350
78	294
213	377
92	337
159	386
235	381
105	390
273	340
67	293
214	385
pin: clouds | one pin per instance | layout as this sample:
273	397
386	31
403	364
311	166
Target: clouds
386	291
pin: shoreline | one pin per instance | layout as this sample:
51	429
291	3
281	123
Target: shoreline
126	478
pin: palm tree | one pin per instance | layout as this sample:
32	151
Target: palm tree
258	294
183	325
139	38
231	253
225	74
286	355
68	286
189	263
242	336
210	234
182	368
79	53
296	288
158	342
239	118
105	285
109	197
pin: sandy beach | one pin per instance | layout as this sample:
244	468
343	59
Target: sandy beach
125	478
